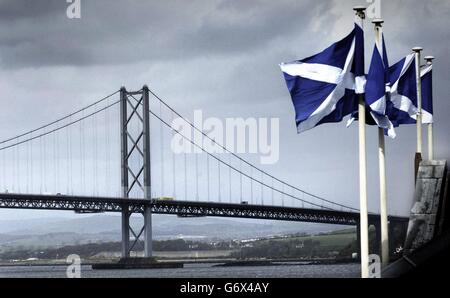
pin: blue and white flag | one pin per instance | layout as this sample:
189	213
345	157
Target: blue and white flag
377	91
323	86
402	107
427	94
378	88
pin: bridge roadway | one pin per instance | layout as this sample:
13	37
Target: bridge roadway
183	208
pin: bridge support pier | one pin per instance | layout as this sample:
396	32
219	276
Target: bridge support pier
125	233
148	232
135	163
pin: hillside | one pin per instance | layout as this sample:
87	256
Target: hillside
55	232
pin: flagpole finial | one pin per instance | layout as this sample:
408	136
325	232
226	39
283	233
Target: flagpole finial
359	8
360	11
417	49
378	22
429	59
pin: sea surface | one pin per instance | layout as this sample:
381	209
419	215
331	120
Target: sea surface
191	271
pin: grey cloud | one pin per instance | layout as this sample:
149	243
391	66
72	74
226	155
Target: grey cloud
221	57
123	32
11	10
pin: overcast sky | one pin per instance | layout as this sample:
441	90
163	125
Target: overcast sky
221	57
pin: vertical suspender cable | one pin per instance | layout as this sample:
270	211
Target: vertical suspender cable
119	163
41	165
6	164
8	178
55	177
27	187
68	160
92	144
229	179
32	164
17	166
44	163
11	168
95	163
173	163
196	177
4	170
58	180
292	197
240	179
108	155
272	194
185	177
14	167
83	156
3	174
207	173
261	188
162	149
71	158
218	184
251	185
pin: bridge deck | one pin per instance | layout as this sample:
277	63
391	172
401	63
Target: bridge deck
182	208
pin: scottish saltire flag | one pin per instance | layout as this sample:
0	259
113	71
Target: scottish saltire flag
378	88
427	94
323	86
402	107
377	91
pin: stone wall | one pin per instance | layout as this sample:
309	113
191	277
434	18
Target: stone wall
428	204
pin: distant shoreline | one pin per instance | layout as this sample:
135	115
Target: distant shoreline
218	262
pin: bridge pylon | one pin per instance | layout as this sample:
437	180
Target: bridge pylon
135	164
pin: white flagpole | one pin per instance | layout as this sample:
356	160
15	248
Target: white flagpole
418	51
382	165
363	221
429	60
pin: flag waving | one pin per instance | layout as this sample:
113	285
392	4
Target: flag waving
402	108
427	94
323	86
378	87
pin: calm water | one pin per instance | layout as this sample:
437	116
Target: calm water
193	271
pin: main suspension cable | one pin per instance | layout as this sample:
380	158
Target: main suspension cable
245	161
235	169
55	129
60	119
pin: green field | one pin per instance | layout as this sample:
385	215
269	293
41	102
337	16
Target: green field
335	239
340	243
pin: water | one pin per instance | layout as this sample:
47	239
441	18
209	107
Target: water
192	271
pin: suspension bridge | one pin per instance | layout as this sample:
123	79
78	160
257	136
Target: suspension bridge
115	155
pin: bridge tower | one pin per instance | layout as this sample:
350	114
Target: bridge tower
135	164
